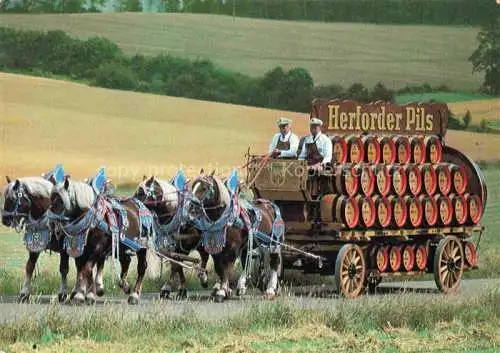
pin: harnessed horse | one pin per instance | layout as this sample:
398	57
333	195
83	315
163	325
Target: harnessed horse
96	225
232	228
168	201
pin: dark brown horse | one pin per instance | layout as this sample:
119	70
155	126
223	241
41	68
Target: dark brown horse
167	201
226	222
94	225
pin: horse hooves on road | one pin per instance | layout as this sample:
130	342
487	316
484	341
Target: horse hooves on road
219	298
62	297
78	299
182	294
164	294
24	298
133	299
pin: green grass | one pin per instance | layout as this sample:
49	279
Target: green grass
334	53
447	97
403	323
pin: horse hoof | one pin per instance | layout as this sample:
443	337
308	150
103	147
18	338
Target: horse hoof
90	298
269	296
133	299
241	292
182	294
219	298
24	297
62	297
164	294
125	288
100	292
78	298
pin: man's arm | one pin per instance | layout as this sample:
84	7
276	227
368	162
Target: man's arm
294	146
272	145
327	145
303	153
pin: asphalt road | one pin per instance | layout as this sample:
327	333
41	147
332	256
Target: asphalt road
202	304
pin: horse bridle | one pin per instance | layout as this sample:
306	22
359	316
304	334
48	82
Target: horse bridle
210	192
150	192
19	196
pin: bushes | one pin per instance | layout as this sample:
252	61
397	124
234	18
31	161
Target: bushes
115	76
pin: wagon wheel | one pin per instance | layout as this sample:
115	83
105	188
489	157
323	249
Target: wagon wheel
448	264
350	271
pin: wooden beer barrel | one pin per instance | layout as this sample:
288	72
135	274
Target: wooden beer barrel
459	178
429	178
347	211
414	179
421	257
399	180
445	209
395	258
403	149
430	210
382	258
372	148
399	211
418	151
368	213
474	208
356	149
459	208
366	179
470	254
384	213
387	149
443	178
409	258
382	179
339	149
415	211
434	149
346	180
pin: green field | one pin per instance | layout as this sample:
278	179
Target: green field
448	97
334	53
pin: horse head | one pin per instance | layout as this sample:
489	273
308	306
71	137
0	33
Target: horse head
25	197
71	198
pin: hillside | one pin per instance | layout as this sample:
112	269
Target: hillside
332	52
44	122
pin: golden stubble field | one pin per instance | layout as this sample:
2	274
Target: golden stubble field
44	122
334	53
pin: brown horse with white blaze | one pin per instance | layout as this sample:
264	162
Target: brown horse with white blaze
97	225
167	201
232	228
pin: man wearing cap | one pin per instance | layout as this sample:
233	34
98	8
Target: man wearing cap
317	147
285	143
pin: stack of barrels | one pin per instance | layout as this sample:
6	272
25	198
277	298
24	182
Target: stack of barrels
399	182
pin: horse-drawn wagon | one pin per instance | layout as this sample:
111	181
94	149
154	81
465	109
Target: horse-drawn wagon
396	200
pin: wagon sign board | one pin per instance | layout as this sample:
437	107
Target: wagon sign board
348	116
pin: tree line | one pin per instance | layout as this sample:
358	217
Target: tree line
435	12
102	63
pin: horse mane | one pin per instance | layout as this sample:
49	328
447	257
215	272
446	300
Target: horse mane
169	192
37	186
83	193
223	191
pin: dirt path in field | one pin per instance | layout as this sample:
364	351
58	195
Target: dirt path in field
200	303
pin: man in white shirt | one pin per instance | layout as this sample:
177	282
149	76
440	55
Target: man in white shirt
285	143
317	147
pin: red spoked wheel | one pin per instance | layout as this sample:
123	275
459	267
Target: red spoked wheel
448	264
350	271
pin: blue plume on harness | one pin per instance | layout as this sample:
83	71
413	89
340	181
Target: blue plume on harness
99	181
56	174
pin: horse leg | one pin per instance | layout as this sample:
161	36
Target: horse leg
84	273
166	289
99	284
272	285
30	267
202	273
63	271
219	271
124	264
182	292
142	265
241	288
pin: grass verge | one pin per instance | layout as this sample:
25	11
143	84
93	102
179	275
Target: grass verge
403	323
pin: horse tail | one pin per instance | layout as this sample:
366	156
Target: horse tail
154	264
